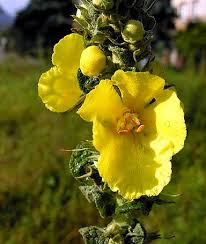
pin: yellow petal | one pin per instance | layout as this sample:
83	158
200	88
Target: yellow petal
164	121
129	165
58	91
67	53
137	88
102	103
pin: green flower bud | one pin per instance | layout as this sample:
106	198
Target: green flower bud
103	4
133	31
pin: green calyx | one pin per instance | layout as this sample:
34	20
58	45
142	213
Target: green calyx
133	31
103	4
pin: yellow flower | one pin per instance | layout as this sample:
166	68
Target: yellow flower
93	61
58	87
136	134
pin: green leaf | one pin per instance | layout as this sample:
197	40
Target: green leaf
86	83
93	235
137	235
124	55
80	21
143	204
83	156
105	201
128	207
98	37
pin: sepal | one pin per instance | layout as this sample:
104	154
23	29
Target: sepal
143	205
105	202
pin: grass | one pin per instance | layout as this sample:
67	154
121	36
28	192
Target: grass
37	197
39	200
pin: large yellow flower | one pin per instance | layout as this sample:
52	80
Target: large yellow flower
58	87
136	133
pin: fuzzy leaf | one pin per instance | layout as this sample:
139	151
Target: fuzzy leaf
98	37
93	235
86	83
144	205
137	235
123	54
81	157
80	21
104	201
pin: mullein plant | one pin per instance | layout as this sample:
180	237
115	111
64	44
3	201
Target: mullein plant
107	72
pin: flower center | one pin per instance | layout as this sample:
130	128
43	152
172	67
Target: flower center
129	122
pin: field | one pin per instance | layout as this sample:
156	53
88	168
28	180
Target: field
40	202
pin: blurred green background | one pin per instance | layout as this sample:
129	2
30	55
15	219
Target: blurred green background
40	201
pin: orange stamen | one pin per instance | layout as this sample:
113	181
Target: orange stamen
128	122
139	129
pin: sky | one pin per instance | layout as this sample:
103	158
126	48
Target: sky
12	6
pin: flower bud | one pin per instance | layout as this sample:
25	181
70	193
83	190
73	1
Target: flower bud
103	4
133	31
92	61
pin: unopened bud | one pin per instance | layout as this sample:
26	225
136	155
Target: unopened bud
133	31
103	4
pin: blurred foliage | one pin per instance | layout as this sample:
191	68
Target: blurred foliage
41	24
39	200
164	14
192	41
